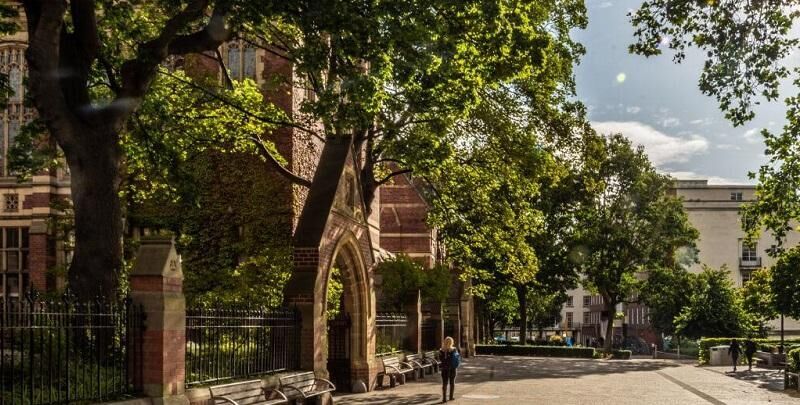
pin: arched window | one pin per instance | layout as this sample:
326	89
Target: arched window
12	64
240	59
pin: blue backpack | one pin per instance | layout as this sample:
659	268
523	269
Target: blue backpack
455	359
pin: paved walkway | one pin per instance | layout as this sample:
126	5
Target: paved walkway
525	380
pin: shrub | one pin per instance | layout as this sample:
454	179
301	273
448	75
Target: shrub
793	364
620	355
536	351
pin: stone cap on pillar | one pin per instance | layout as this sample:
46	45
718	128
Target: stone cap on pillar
157	257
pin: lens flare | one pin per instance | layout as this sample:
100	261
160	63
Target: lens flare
621	78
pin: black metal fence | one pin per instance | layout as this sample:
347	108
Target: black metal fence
429	334
391	332
64	351
224	344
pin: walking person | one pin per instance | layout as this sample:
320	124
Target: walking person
450	359
749	351
734	350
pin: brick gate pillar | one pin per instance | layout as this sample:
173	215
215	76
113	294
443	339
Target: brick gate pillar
156	284
413	311
299	293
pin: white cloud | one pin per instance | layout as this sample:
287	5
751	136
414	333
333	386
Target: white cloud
634	109
711	179
670	122
727	146
753	135
660	147
702	121
605	4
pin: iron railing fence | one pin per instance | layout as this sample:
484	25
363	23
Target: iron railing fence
391	332
429	334
65	351
223	344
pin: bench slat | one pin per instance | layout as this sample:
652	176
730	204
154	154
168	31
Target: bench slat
225	390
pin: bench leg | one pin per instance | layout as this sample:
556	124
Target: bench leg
392	380
380	380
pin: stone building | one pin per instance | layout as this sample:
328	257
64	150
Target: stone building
31	253
404	230
329	225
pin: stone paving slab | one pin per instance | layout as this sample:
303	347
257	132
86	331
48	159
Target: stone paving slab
526	380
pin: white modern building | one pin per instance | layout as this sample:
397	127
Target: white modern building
714	210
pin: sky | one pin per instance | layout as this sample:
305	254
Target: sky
657	104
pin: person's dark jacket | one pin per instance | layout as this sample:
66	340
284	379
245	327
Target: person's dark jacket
734	349
749	348
445	357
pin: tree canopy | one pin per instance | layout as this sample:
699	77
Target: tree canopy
375	70
714	308
630	226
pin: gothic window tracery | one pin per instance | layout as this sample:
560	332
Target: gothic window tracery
15	114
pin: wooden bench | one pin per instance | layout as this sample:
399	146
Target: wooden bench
246	393
420	363
433	357
305	385
396	370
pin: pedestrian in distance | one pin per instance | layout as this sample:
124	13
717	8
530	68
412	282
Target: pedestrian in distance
450	359
749	351
734	350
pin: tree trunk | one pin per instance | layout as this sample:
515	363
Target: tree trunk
611	308
523	314
97	260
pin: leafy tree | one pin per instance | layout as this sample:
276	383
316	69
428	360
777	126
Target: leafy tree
544	308
499	308
744	43
375	69
631	225
786	283
758	300
666	292
714	308
403	277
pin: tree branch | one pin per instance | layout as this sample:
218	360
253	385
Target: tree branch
225	74
392	175
137	74
283	171
241	109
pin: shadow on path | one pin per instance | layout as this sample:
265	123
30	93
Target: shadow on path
389	398
506	368
771	379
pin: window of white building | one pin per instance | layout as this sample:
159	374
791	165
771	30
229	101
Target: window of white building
749	251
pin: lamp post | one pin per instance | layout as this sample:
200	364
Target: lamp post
781	349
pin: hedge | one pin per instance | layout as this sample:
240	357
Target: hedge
621	355
793	360
792	365
762	344
537	351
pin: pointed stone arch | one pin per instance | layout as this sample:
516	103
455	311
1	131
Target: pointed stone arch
332	229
